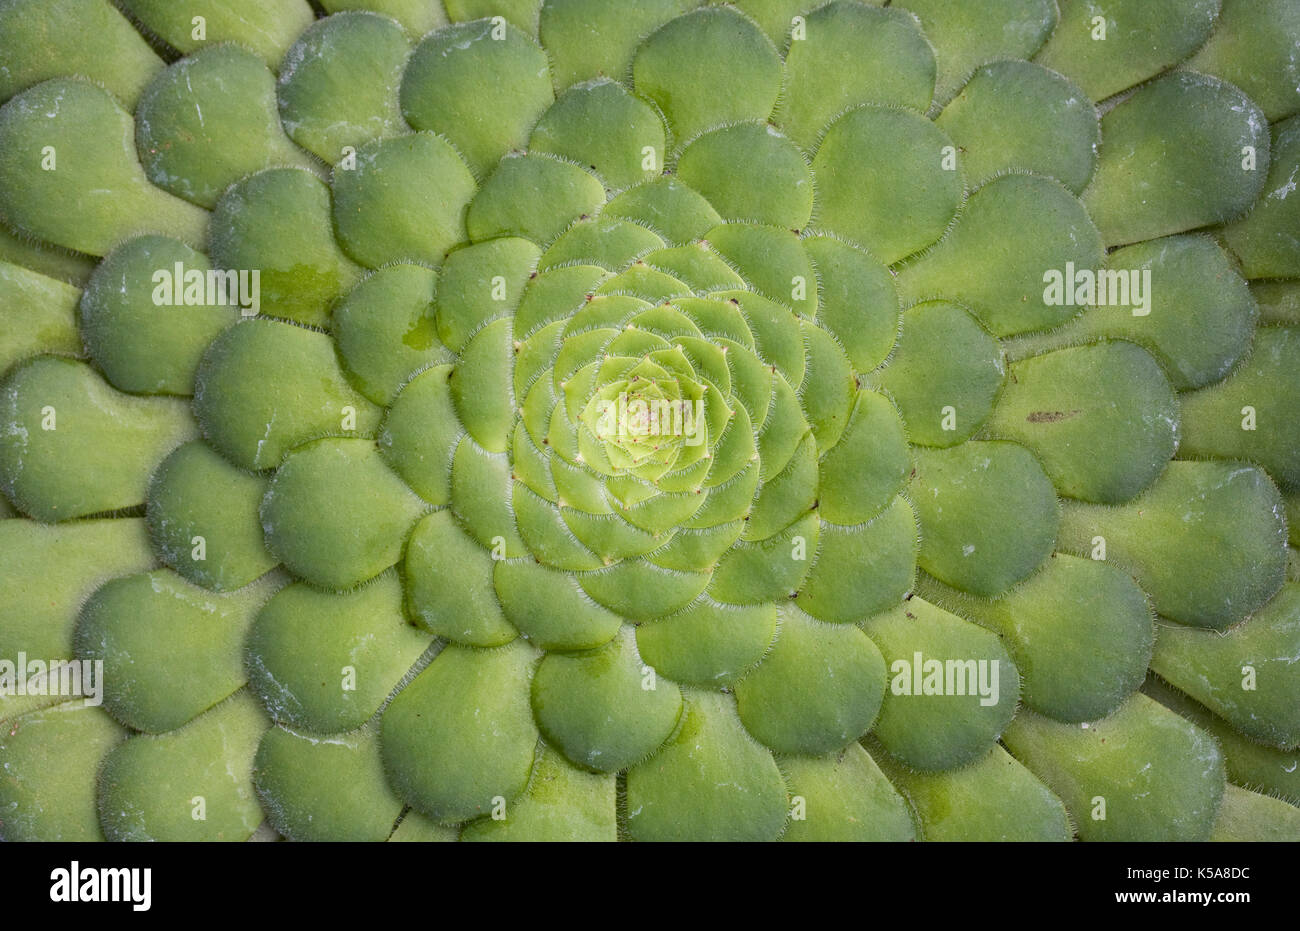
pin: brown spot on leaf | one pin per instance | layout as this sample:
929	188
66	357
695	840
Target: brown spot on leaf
1051	416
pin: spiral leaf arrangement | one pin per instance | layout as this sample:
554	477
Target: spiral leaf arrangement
650	420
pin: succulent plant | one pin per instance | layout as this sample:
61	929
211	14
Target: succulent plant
569	419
